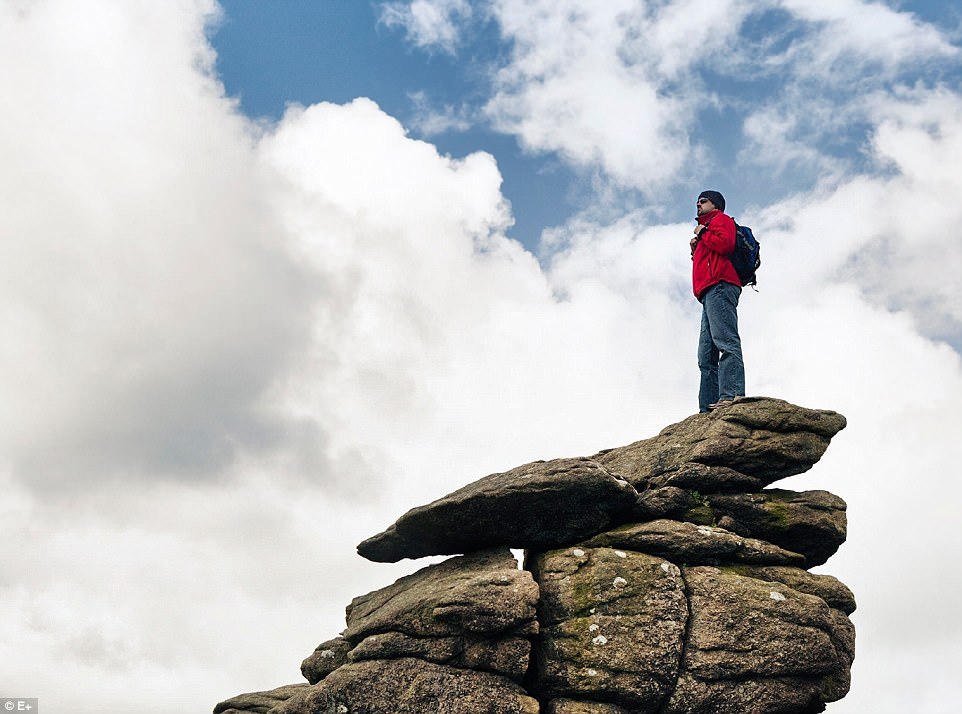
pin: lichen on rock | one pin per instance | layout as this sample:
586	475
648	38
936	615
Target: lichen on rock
612	626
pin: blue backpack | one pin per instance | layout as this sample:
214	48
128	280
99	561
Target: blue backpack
747	256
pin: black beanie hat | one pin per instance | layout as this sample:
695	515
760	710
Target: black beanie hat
715	198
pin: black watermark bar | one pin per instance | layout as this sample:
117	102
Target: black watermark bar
18	704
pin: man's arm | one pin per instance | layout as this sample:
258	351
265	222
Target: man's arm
719	235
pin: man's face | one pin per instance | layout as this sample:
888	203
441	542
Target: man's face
704	206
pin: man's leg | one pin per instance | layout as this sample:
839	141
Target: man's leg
721	306
707	364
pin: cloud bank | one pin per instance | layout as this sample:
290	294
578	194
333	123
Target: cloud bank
233	351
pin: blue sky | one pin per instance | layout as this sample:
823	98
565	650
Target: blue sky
274	273
272	54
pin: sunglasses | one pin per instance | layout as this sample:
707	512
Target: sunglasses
702	200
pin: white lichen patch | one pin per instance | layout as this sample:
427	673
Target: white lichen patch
593	628
621	554
619	582
592	611
670	568
327	654
775	595
600	640
578	553
341	709
592	673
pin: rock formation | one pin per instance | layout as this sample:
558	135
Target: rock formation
659	577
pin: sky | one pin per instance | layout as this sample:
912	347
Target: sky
275	272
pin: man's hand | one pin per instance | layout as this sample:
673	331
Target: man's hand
698	230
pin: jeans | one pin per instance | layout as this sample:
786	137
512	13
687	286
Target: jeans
720	347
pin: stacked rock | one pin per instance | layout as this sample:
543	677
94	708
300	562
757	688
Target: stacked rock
658	577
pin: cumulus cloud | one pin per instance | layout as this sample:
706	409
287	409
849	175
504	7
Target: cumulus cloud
239	351
915	266
619	87
884	231
607	84
141	260
429	24
233	355
850	34
831	61
438	323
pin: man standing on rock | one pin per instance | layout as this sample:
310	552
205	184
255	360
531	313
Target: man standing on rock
717	287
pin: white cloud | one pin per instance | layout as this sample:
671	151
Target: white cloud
849	34
430	121
140	259
237	354
609	84
890	233
430	24
830	61
779	141
620	86
438	324
920	257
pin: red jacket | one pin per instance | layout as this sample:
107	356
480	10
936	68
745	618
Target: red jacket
710	261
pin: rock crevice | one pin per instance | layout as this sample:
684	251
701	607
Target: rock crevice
686	637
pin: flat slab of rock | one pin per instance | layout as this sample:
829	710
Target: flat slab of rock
613	624
474	611
260	702
482	593
411	686
750	444
540	505
707	479
508	656
833	591
694	544
812	523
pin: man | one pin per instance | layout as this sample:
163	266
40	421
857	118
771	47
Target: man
717	287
